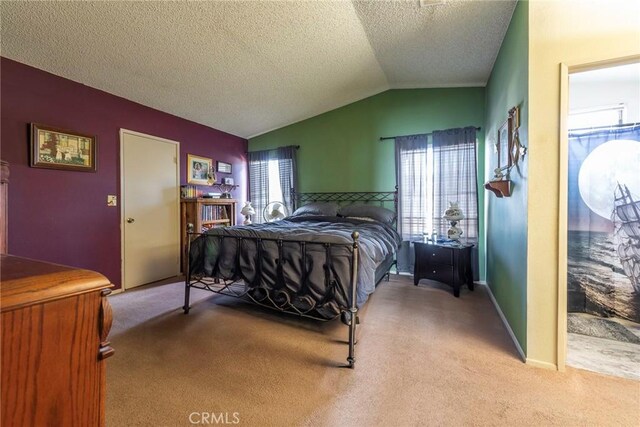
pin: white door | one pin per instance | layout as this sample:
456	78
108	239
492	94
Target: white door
150	183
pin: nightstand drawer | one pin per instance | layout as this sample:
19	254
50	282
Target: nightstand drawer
439	273
435	254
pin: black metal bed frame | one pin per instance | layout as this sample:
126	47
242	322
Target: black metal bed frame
236	286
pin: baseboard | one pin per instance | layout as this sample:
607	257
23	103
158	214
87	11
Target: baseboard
507	326
116	291
541	364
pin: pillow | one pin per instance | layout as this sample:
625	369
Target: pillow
317	209
377	213
361	218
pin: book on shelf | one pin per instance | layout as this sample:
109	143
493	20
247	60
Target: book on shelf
189	192
213	213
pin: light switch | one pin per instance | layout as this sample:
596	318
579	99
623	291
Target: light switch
112	200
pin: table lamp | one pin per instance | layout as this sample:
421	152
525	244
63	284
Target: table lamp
247	211
453	214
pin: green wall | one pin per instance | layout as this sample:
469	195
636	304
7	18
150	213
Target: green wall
506	227
340	150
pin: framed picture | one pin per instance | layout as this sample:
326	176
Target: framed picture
223	167
53	148
228	181
504	144
198	169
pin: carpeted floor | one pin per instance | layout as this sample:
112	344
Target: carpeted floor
423	358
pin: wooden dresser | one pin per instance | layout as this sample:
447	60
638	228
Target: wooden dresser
55	323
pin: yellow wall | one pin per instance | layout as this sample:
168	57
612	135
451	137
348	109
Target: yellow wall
570	32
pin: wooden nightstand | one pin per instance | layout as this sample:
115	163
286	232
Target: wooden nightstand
446	263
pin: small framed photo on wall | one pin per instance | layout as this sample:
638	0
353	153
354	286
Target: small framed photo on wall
198	169
223	167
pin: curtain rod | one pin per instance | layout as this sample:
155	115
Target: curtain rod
620	125
297	147
384	138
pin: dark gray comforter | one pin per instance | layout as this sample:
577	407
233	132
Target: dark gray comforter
295	273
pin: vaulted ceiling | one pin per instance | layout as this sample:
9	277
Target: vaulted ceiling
247	67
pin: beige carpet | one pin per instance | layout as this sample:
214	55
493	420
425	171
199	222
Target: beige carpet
423	358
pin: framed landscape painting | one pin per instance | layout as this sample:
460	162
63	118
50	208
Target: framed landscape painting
53	148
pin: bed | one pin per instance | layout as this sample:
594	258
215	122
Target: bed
313	264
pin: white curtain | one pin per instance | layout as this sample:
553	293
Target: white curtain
414	184
455	169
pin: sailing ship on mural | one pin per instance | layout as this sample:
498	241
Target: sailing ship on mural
626	218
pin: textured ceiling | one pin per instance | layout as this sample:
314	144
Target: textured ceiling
454	44
247	67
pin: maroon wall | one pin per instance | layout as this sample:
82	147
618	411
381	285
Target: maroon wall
62	216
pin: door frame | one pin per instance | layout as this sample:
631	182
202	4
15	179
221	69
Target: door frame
122	227
565	70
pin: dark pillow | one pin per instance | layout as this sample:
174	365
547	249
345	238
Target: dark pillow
317	209
378	213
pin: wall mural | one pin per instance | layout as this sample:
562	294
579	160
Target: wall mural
604	223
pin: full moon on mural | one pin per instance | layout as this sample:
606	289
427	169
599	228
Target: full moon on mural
613	162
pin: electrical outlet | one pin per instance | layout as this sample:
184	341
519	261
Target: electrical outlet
112	200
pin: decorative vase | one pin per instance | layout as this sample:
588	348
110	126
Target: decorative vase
454	233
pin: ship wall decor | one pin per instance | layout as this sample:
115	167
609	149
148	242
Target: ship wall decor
603	253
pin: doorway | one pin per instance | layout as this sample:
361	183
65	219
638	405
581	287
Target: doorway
150	208
603	219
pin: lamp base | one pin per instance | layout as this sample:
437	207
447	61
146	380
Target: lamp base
454	233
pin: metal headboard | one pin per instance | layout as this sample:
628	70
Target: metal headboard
372	197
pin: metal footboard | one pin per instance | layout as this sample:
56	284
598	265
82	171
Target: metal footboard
280	298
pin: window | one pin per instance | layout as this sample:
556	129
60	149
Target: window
274	191
272	177
429	176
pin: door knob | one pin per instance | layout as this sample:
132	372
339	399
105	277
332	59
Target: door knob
130	220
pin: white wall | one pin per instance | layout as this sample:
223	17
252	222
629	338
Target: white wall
584	95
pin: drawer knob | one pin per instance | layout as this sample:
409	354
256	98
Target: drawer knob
433	254
434	271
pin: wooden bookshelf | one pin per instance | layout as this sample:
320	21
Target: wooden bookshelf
204	214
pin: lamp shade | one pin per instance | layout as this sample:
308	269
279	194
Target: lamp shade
247	209
453	213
